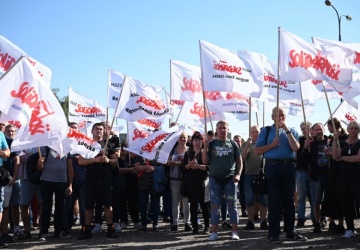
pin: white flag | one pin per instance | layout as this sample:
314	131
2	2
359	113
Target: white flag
10	53
27	99
293	107
115	82
158	145
82	108
346	113
140	101
82	144
301	61
223	70
136	133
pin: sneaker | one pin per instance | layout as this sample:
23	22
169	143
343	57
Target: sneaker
275	240
117	228
42	237
264	225
64	235
17	232
213	236
188	227
235	236
249	226
348	234
123	225
317	228
76	221
295	236
97	229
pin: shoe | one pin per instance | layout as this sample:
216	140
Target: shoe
7	238
275	240
264	225
348	234
64	235
117	228
317	228
339	229
85	233
155	228
123	225
235	236
97	229
249	226
206	230
42	237
174	228
25	235
137	225
244	214
213	236
188	227
300	223
295	236
76	221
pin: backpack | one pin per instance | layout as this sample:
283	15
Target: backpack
32	173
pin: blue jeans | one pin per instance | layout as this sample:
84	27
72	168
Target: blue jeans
301	188
317	189
154	206
216	191
281	188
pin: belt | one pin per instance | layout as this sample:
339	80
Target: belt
281	161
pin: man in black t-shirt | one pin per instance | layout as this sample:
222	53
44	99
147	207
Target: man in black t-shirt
99	182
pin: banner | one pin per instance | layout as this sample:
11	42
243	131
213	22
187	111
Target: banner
301	61
346	113
158	145
25	98
115	82
223	70
10	53
82	108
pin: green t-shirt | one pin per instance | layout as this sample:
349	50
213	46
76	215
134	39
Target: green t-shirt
222	155
252	161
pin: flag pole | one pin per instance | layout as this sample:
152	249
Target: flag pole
249	115
112	123
331	117
207	109
170	119
278	89
202	84
12	66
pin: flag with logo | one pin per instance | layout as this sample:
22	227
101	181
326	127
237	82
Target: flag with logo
158	145
346	113
26	98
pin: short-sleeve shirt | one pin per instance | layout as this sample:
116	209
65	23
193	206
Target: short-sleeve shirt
252	160
283	151
3	145
222	156
8	162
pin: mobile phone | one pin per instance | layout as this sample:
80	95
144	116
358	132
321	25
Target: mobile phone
191	155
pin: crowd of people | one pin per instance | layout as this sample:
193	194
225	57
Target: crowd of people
203	180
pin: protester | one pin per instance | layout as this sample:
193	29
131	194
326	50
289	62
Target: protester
301	175
279	153
98	187
196	178
241	184
4	153
348	177
225	166
253	163
315	152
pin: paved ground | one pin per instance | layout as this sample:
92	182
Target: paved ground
131	239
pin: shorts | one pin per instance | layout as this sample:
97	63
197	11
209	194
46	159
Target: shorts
28	190
249	194
7	196
317	189
98	191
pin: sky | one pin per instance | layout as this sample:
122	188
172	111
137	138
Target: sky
80	40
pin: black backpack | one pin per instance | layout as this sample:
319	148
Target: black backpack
32	173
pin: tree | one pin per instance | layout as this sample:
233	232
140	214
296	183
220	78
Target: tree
64	102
